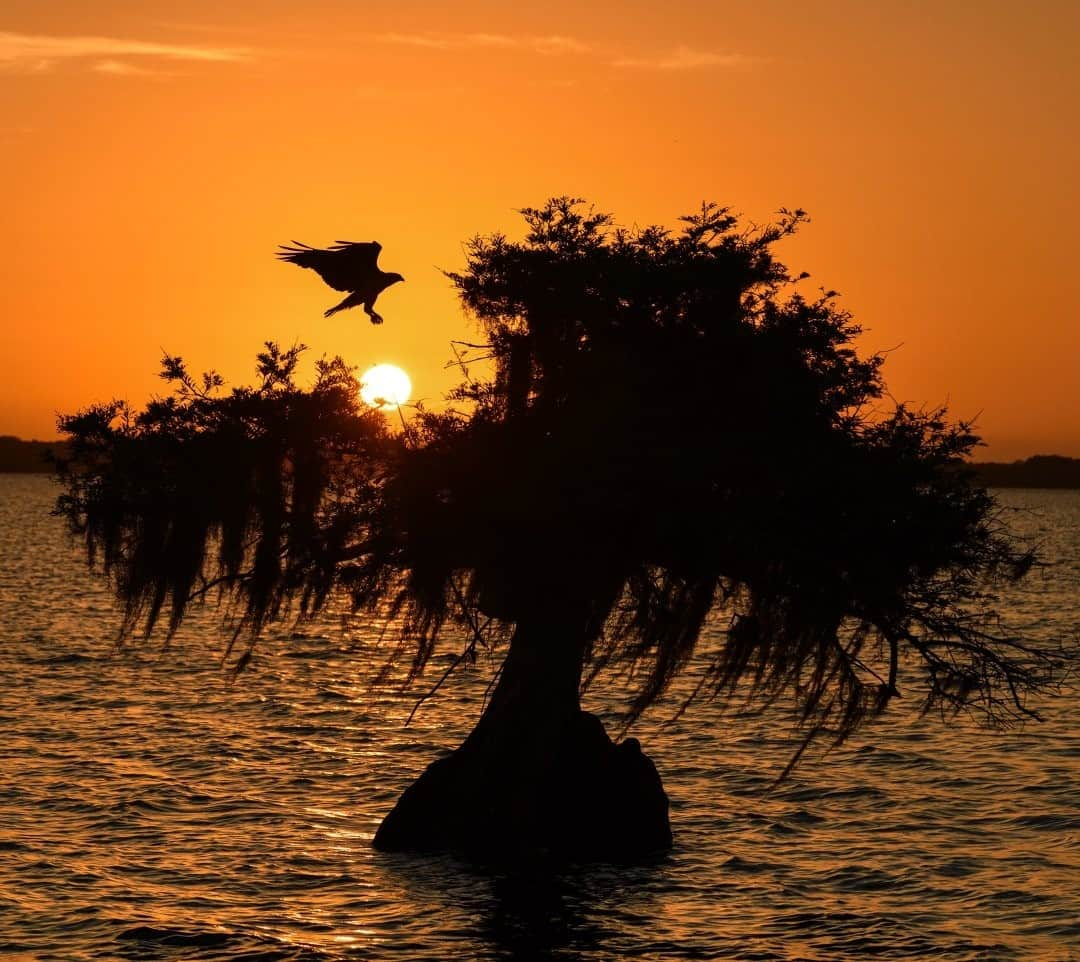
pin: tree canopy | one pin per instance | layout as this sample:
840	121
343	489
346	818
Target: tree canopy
655	431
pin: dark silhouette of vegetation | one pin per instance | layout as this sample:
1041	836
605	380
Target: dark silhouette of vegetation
672	436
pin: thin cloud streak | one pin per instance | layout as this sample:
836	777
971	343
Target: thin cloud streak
36	53
554	44
681	58
120	68
446	41
558	44
684	58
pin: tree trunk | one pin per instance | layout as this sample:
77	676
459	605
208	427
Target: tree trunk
537	773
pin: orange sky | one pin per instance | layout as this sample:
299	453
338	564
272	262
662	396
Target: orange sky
153	158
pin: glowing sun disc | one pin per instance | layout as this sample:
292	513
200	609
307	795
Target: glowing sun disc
385	386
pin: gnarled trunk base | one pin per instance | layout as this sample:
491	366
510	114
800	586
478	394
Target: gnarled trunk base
570	792
537	774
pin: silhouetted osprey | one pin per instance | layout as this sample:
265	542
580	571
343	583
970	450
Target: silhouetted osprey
346	266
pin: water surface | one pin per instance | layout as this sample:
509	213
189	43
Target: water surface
149	809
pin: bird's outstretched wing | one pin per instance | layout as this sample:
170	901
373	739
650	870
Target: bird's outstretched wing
345	265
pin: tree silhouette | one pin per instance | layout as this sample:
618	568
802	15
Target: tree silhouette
672	436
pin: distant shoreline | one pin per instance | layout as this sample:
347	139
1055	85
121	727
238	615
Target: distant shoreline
27	457
1039	471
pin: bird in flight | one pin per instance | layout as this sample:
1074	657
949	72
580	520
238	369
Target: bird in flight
346	266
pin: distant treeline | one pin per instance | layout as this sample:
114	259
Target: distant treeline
26	457
1040	471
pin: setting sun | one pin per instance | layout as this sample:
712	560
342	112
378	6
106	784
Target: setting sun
385	386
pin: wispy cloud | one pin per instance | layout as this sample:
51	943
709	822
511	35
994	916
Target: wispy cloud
558	44
681	58
121	68
36	53
554	44
684	58
446	41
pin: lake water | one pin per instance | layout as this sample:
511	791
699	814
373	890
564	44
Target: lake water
149	809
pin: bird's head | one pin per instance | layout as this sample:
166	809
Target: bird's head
393	279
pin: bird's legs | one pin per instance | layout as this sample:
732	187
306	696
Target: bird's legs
350	301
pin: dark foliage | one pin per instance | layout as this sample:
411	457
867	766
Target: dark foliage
258	497
672	435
